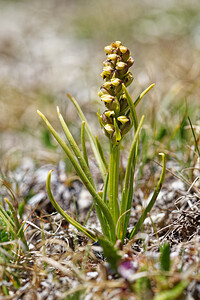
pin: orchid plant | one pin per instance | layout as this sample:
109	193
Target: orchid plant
116	121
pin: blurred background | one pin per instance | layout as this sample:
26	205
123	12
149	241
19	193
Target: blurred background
50	48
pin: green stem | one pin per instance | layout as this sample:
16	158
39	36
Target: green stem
114	181
152	201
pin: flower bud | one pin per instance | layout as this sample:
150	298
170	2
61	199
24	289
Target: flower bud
108	49
117	44
111	103
113	57
106	118
123	103
122	67
107	72
107	98
103	91
125	127
113	87
117	83
109	113
125	53
130	62
123	119
128	79
109	128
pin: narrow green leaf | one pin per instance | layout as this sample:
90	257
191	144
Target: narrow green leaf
81	228
153	199
129	204
195	140
128	168
105	190
101	152
139	98
10	206
17	226
100	162
75	149
132	107
165	257
111	253
97	199
174	292
83	143
7	219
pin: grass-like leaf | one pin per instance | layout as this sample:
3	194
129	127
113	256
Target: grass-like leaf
75	148
111	253
101	163
152	201
195	140
139	98
165	257
101	152
131	107
81	228
83	143
173	293
128	183
97	199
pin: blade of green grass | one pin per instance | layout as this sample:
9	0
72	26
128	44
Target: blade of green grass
18	227
195	140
